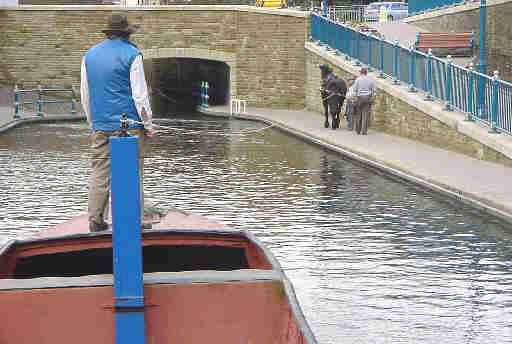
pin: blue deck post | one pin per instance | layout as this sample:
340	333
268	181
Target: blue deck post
448	88
428	77
16	102
39	101
126	241
495	104
471	80
395	64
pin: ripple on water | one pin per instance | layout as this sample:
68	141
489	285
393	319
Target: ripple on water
371	260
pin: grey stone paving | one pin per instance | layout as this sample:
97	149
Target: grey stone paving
483	184
406	33
6	115
399	31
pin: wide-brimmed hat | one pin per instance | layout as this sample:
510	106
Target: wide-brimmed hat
118	22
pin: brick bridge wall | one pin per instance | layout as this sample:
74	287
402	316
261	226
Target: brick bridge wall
498	31
44	45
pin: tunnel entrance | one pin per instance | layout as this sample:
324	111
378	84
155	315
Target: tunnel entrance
175	84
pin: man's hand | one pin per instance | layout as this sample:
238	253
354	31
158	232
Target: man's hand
149	132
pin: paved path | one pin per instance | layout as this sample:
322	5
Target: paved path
483	184
6	115
399	31
7	118
406	33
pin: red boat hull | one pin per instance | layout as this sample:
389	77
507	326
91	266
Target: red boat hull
251	301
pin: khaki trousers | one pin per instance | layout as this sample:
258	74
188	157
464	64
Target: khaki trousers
99	179
364	108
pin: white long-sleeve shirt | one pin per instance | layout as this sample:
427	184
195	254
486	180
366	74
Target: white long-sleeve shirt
139	87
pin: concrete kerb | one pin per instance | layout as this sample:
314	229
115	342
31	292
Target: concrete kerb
454	119
36	119
386	168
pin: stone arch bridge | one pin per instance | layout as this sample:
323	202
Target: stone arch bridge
252	53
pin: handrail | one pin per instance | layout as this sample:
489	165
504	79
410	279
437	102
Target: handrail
421	6
480	97
38	100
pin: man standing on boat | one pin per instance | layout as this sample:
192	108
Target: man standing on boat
113	84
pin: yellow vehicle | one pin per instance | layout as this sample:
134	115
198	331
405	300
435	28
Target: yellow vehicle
271	3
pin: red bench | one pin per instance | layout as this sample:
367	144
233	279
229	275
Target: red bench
433	40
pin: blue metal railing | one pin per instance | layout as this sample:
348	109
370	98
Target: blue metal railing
38	100
480	97
418	6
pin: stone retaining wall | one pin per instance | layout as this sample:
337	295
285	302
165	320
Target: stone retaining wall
395	114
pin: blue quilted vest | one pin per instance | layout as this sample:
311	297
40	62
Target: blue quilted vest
108	74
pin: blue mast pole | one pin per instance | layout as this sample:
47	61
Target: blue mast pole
126	239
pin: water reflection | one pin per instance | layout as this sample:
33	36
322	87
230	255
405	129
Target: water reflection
372	260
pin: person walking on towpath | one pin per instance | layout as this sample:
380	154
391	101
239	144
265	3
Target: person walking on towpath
365	92
350	104
113	84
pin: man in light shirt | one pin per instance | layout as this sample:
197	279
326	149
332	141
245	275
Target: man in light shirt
113	84
365	92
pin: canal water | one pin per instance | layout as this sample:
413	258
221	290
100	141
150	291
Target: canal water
372	259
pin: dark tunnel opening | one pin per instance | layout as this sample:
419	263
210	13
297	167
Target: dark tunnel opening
175	84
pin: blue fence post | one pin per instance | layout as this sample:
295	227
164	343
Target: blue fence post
206	95
316	29
127	241
337	44
395	64
39	101
381	46
313	27
328	35
73	101
348	34
471	80
358	48
325	31
448	85
370	68
495	103
412	69
428	77
16	102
